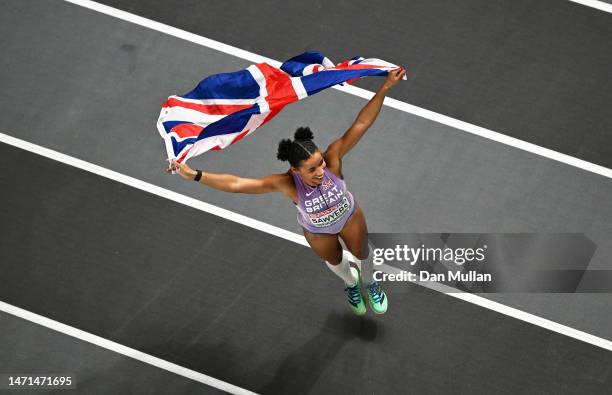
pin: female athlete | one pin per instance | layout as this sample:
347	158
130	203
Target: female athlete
326	209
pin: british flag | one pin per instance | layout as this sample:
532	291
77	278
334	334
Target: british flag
224	108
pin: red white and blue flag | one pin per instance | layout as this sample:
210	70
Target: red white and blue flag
226	107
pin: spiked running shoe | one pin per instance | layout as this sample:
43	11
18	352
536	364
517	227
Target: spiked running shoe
354	295
377	298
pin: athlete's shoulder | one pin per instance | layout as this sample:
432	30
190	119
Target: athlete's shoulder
334	164
282	182
280	179
286	184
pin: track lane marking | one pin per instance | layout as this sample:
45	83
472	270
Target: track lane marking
353	90
121	349
293	237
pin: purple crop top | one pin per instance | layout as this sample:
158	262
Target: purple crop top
326	207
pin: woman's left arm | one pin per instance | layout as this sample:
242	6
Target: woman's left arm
365	118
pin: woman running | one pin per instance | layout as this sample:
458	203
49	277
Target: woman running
326	209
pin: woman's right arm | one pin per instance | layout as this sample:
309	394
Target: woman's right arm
232	183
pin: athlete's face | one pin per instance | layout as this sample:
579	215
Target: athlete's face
311	169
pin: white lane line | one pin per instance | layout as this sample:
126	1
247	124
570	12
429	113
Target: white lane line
507	310
290	236
353	90
600	5
154	189
121	349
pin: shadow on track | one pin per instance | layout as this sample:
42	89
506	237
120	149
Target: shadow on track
301	369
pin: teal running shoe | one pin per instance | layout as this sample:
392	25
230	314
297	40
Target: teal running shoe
377	298
354	295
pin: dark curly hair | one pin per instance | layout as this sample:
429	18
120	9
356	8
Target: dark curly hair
299	149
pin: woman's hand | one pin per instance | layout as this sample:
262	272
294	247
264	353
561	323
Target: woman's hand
184	171
394	76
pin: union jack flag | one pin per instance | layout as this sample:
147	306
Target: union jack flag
327	184
224	108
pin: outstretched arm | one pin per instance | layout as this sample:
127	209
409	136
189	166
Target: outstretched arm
232	183
365	118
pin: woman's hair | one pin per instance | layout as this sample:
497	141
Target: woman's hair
299	149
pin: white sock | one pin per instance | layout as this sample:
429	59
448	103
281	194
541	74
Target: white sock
367	267
343	270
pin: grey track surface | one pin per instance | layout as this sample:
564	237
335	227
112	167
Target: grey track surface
26	347
90	86
540	71
102	262
93	87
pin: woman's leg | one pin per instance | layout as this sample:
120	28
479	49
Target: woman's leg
355	236
328	248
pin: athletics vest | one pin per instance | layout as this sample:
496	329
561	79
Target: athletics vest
326	207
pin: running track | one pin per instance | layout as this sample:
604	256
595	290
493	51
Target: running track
100	256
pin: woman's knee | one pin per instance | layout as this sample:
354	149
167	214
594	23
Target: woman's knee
332	255
363	252
334	259
326	247
358	245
